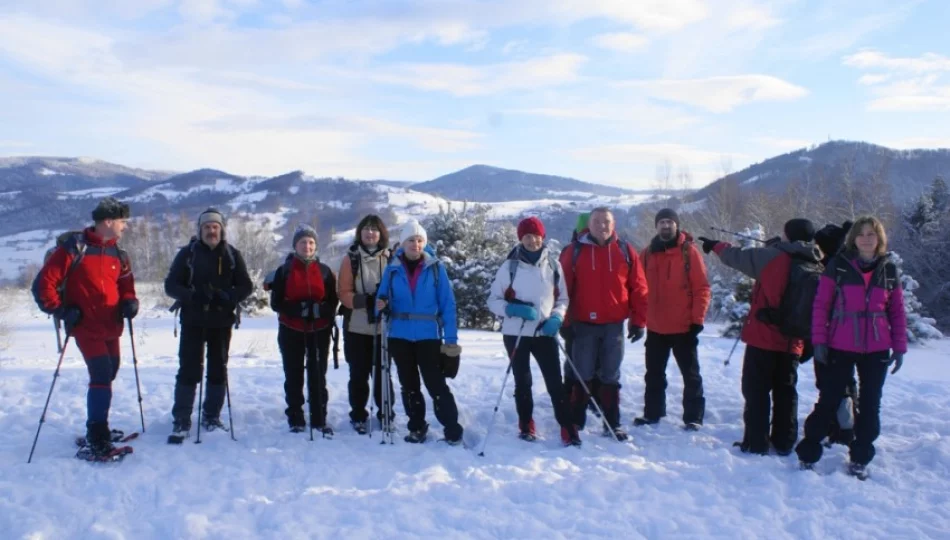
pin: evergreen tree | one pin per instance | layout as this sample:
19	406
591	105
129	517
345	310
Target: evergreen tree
471	249
919	327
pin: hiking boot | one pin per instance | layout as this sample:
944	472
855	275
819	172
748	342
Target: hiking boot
325	431
858	471
803	466
690	426
644	421
526	431
296	422
212	423
360	427
99	439
569	436
618	432
416	437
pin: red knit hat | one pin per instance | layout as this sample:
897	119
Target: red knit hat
531	225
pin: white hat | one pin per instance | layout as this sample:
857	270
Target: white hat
413	228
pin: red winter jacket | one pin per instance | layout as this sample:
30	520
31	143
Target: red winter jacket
769	266
307	281
96	285
677	299
602	287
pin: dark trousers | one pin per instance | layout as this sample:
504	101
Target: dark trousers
300	352
684	349
102	363
546	353
872	372
361	357
191	352
769	380
836	433
415	358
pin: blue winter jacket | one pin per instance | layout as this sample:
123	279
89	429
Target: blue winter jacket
425	301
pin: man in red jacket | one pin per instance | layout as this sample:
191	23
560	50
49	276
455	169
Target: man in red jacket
679	297
87	283
771	358
606	286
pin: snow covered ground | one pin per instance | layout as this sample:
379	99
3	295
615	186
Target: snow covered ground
274	484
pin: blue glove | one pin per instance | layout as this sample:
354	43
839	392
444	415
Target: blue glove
551	326
522	311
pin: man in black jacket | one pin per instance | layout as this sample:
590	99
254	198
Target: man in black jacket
208	279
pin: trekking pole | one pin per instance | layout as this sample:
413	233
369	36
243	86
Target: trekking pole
387	404
734	345
201	370
738	235
511	360
135	367
201	388
227	393
335	334
59	363
59	337
373	377
306	371
577	374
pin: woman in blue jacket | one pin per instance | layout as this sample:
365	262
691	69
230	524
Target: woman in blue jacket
416	292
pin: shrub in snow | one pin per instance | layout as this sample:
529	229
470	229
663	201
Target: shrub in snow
919	327
736	306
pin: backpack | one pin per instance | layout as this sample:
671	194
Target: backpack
576	253
190	267
75	243
795	310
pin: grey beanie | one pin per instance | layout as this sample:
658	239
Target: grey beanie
304	231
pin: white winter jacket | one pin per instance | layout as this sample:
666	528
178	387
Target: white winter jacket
533	283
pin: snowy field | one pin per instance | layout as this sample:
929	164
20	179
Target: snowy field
666	483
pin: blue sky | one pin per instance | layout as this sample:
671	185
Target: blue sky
606	91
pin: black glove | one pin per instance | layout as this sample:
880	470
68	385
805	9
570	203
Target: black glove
821	354
449	359
708	244
360	301
897	358
567	332
129	308
634	333
222	298
696	329
772	241
71	317
201	296
371	308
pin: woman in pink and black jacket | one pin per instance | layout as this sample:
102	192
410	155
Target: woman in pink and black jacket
858	321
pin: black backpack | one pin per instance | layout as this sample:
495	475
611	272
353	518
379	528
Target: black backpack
794	313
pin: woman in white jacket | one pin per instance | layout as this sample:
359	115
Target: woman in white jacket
530	294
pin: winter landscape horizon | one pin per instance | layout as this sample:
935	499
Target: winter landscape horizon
478	125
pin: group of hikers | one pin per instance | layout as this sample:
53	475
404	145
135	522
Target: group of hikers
832	294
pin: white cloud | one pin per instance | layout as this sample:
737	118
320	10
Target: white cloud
465	80
751	17
720	94
907	84
624	115
621	41
651	154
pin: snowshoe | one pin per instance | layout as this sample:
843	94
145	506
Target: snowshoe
692	426
858	471
102	455
298	429
325	431
618	432
644	421
116	436
361	428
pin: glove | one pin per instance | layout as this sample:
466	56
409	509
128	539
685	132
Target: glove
821	353
567	332
708	244
634	333
551	326
897	358
222	298
201	297
522	311
453	350
71	317
696	329
129	308
360	301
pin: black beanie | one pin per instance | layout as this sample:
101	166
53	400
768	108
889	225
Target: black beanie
667	213
111	208
799	230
